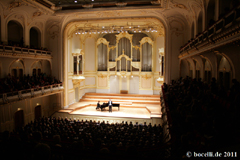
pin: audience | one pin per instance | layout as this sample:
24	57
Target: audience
58	138
204	117
11	83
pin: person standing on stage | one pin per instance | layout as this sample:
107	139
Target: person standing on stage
110	105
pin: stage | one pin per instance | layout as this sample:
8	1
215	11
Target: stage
134	108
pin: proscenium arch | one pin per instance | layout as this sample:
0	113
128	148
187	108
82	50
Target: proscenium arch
71	27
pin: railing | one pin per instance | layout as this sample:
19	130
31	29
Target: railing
207	35
20	50
18	95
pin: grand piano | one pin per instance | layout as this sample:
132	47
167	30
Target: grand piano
104	105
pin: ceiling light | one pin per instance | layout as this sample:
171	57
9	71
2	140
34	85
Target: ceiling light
75	1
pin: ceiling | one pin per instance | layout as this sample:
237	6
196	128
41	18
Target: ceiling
81	4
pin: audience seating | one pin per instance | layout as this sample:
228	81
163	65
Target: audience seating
204	117
74	139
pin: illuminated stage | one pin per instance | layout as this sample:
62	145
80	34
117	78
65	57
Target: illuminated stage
134	108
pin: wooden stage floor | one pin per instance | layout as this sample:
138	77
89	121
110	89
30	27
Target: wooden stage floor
131	106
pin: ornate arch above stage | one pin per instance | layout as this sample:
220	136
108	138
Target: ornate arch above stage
121	51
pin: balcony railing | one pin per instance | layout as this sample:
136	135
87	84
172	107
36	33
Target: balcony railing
20	50
209	35
18	95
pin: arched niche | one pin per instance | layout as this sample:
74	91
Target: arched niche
47	67
207	71
146	50
36	68
224	73
15	33
198	70
35	38
102	53
38	112
16	69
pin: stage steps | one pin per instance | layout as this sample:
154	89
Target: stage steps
121	98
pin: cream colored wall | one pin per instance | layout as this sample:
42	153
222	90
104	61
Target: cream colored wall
90	81
114	84
48	104
134	85
90	57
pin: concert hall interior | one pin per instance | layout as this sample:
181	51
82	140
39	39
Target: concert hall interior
124	79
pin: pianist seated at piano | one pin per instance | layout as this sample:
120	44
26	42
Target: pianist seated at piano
107	105
98	105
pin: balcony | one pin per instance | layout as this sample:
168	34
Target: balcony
28	93
225	30
7	51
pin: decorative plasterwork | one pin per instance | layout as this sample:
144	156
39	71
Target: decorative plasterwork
76	82
102	40
136	47
77	54
160	80
124	34
146	40
111	48
123	55
40	7
36	14
109	14
146	76
181	6
54	29
14	5
102	75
